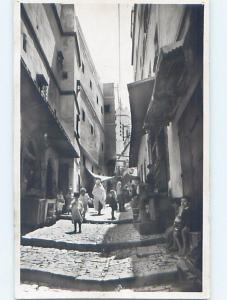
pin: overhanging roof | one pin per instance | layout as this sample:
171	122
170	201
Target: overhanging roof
139	96
169	70
48	120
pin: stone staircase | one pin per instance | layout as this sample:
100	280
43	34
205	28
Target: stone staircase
103	257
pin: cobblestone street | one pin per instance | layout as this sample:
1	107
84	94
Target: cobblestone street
94	266
117	268
104	257
92	234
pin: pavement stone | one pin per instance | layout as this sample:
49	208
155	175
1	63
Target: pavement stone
94	267
60	235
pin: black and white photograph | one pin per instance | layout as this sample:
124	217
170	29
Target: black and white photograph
111	150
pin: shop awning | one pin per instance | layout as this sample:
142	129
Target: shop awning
140	93
40	111
170	68
101	177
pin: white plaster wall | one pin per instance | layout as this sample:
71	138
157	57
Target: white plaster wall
174	160
143	159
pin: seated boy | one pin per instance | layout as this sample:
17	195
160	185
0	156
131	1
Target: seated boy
181	226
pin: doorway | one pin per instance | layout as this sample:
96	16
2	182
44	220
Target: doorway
63	178
49	181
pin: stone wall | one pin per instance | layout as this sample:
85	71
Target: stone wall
110	132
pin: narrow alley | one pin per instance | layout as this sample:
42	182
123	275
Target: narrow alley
111	191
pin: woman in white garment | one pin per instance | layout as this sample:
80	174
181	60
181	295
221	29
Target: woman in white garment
99	194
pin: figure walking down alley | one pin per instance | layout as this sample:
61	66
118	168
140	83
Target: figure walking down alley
112	200
99	194
77	209
84	198
120	196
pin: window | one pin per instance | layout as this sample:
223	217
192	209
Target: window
60	59
90	84
78	86
77	125
42	85
107	108
24	42
82	67
97	99
92	129
83	115
65	75
101	110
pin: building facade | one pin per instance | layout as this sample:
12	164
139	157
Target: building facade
91	128
110	128
123	133
49	107
167	102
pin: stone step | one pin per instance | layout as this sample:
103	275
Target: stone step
90	221
97	238
96	247
93	271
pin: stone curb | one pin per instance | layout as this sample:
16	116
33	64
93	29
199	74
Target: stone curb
71	282
125	221
93	247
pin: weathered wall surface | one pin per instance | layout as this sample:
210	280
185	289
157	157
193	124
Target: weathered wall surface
44	40
109	121
174	161
88	74
91	104
48	33
92	142
166	20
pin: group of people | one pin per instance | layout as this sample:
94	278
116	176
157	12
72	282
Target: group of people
78	202
141	196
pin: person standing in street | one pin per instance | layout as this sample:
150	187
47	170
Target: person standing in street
84	198
120	198
112	199
150	181
77	209
68	200
60	202
99	194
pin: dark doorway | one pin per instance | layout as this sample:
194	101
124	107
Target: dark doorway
63	178
191	149
49	181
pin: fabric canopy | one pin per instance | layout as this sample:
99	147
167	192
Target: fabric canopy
140	93
101	177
